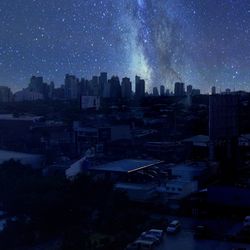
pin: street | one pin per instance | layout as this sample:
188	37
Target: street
185	240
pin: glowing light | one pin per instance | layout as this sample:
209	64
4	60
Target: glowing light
140	3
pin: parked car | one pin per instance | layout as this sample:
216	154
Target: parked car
149	237
174	227
246	222
156	232
141	245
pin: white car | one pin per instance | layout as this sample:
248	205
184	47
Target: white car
155	232
246	222
149	237
174	227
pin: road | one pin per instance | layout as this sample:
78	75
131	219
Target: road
184	240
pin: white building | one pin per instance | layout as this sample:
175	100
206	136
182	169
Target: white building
178	189
137	191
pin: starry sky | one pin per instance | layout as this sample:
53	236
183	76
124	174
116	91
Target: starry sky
199	42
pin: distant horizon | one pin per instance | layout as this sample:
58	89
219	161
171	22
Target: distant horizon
202	43
150	90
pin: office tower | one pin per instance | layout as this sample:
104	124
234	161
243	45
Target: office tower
83	87
103	84
51	90
179	89
213	90
162	90
5	94
115	87
126	88
228	91
36	84
167	92
71	87
155	91
189	89
224	132
95	85
196	92
139	87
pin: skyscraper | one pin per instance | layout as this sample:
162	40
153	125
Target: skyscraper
179	89
71	87
189	89
155	91
224	132
213	90
36	84
139	87
162	90
126	88
115	87
51	90
95	85
103	84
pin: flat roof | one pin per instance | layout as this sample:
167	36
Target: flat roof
197	139
134	186
126	165
187	167
5	155
19	118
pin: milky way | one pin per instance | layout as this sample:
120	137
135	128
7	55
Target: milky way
202	43
158	39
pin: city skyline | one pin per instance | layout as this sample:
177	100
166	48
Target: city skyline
96	80
202	43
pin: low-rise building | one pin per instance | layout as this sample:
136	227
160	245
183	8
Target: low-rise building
34	160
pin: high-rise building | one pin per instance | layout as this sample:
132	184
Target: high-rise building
51	90
83	87
5	94
71	87
155	91
162	90
189	89
213	90
36	84
196	92
115	87
103	84
179	89
224	132
126	88
95	85
139	87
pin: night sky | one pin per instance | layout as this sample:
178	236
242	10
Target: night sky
202	42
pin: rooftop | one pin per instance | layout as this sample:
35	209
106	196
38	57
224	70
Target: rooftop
198	140
134	186
126	165
6	155
19	117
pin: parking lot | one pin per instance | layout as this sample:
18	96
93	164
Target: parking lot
185	240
